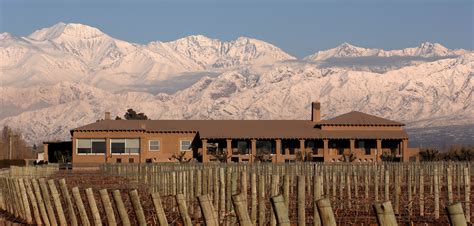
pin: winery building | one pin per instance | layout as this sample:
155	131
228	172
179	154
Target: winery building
354	136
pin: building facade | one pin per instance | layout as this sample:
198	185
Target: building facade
355	137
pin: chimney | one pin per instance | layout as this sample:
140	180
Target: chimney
315	112
107	116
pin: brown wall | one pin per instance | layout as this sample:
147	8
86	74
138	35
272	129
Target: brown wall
169	146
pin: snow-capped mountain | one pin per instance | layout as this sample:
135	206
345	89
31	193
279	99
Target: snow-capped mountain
68	75
79	53
347	50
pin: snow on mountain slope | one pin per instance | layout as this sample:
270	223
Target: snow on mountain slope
430	94
68	75
80	53
347	50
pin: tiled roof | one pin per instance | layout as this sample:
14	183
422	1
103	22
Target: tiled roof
359	118
240	129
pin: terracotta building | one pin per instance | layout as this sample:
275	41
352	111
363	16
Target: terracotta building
354	136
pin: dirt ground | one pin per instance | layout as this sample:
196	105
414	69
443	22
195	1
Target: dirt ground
358	213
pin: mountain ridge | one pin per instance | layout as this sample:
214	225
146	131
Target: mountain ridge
56	83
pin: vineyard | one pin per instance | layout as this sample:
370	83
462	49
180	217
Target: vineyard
187	194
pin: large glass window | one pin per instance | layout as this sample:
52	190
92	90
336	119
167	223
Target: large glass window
154	145
265	147
125	146
243	147
90	146
185	145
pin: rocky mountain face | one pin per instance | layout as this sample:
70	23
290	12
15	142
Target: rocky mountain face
68	75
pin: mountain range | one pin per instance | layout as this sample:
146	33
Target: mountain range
68	75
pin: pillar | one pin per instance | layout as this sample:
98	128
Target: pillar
45	152
352	145
253	149
205	158
278	150
108	150
302	148
326	150
379	149
404	150
229	150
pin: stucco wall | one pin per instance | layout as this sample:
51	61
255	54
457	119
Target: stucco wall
169	146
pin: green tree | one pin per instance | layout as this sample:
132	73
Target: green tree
133	115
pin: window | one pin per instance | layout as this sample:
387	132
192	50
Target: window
90	146
185	145
154	145
125	146
119	160
243	147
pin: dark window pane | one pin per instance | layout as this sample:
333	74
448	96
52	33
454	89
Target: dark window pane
243	147
98	146
118	148
83	150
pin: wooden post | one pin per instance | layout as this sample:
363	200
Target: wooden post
70	206
121	207
80	206
34	203
467	193
253	206
280	210
317	185
39	198
183	209
456	215
198	192
274	192
261	200
222	194
387	185
385	214
326	213
397	190
376	184
93	207
422	192
47	201
57	202
160	213
24	196
301	201
450	184
109	211
436	193
210	216
286	190
410	196
240	206
137	207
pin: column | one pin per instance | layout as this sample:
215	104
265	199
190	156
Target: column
205	158
45	152
405	150
326	150
108	151
229	150
278	150
253	150
352	145
379	150
302	149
